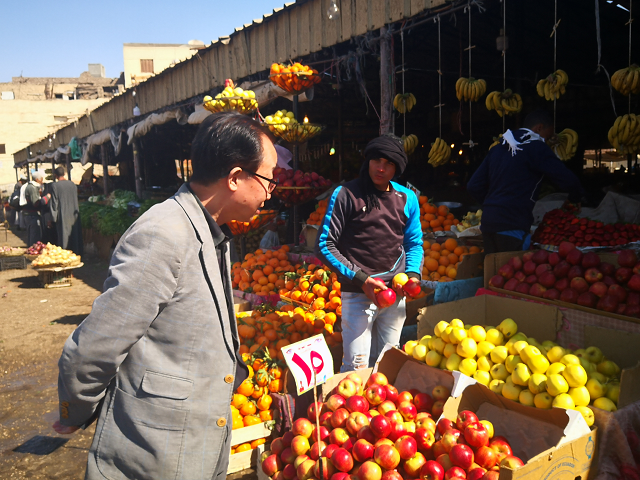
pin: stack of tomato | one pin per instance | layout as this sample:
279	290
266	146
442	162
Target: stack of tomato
435	218
563	225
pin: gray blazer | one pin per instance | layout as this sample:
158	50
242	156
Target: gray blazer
155	359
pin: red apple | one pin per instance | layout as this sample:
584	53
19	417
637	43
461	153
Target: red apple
486	457
437	409
392	393
348	445
327	468
607	269
413	465
313	411
593	275
461	456
450	438
537	290
445	461
497	281
562	284
380	426
338	436
506	271
523	288
362	450
423	402
316	450
289	472
394	416
365	433
590	260
328	451
302	426
511	284
377	378
554	259
375	394
386	406
519	276
324	433
347	388
574	257
339	418
587	299
426	422
464	418
547	279
412	288
357	403
608	281
391	475
561	270
564	248
516	263
608	303
569	295
277	445
618	291
432	470
531	279
404	397
398	429
445	424
334	402
627	258
286	439
543	267
529	268
272	465
551	294
340	476
476	473
356	422
511	462
575	271
342	460
634	283
300	445
476	435
369	470
579	284
386	456
599	289
407	446
540	256
424	438
623	274
491	475
287	455
408	411
325	420
386	298
500	445
455	473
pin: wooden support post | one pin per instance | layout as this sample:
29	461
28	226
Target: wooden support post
136	168
28	173
296	155
386	83
105	170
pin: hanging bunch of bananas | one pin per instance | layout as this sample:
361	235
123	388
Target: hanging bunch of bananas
404	102
627	80
470	89
496	141
440	152
505	103
625	134
410	143
564	144
553	86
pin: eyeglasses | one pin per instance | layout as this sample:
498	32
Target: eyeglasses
272	183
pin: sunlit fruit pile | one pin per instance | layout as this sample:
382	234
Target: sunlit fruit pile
572	276
309	185
11	251
278	121
471	219
262	272
293	78
258	220
435	218
542	375
243	447
365	430
562	225
316	217
441	260
54	256
35	249
231	98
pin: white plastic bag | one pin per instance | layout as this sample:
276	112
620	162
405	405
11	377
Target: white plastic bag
270	240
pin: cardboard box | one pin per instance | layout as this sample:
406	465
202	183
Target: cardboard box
472	266
413	306
244	460
241	305
249	459
543	322
494	261
538	437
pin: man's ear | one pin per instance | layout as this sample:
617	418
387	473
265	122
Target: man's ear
233	179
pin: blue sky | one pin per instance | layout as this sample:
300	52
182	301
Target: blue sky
59	39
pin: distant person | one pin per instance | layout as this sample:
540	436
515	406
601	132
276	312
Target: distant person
32	203
507	183
65	212
14	202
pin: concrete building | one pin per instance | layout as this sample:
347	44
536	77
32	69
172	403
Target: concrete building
33	108
143	60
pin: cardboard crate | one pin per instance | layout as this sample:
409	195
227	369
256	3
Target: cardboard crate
241	305
244	460
472	266
494	261
543	322
547	441
413	306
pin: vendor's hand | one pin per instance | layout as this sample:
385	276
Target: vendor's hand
369	288
63	429
399	291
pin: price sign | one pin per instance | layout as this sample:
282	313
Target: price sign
310	362
413	189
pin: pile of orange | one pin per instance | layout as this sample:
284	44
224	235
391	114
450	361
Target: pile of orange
293	78
315	287
441	261
435	218
315	218
243	447
262	272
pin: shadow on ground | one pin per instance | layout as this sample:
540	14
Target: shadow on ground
93	273
70	320
27	282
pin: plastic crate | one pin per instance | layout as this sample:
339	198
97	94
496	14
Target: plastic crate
13	263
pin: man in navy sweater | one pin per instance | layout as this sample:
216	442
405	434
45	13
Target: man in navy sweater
507	183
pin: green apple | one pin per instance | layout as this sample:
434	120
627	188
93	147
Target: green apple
484	348
467	348
521	375
419	352
499	372
570	359
587	365
508	328
603	403
534	342
511	362
449	349
554	354
409	346
496	386
543	400
457	323
580	396
563	400
548	344
438	345
468	366
433	358
495	337
467	326
556	384
478	333
499	354
575	375
425	340
453	362
587	414
537	383
457	335
608	368
439	328
482	377
555	368
517	337
538	363
485	364
579	353
529	351
511	391
526	398
613	392
598	376
594	354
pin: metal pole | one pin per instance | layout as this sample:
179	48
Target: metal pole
504	55
136	168
296	153
105	170
53	168
339	135
386	69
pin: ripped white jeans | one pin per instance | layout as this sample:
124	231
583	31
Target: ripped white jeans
366	329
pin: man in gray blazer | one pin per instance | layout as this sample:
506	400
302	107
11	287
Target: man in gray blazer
156	361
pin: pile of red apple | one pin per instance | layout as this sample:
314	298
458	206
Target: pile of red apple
298	178
374	432
560	225
575	277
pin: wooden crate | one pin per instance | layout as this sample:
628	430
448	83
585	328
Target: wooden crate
249	459
243	460
13	262
50	279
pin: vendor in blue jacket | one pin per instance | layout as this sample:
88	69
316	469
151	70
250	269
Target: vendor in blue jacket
371	232
507	183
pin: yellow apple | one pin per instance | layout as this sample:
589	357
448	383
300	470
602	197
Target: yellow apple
511	362
575	375
457	335
508	328
433	358
408	347
482	377
489	426
499	354
468	366
457	323
608	368
499	372
598	376
484	364
449	349
446	333
511	391
554	354
543	400
521	375
419	352
467	348
538	363
484	348
570	359
496	386
537	383
596	389
529	351
587	414
438	345
556	384
603	403
443	363
563	400
453	362
555	368
526	398
440	327
580	396
478	333
548	344
519	345
425	340
495	337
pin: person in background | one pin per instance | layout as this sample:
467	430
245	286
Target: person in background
33	203
157	361
14	202
507	183
65	212
371	231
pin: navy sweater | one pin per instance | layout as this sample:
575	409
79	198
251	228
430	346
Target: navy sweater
357	244
508	186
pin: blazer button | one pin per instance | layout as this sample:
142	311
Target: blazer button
222	422
229	379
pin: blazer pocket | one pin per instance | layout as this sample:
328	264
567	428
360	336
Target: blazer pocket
140	440
168	386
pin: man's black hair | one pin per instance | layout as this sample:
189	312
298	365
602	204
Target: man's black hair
224	141
538	117
59	172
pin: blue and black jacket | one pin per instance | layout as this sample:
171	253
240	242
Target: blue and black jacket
357	244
